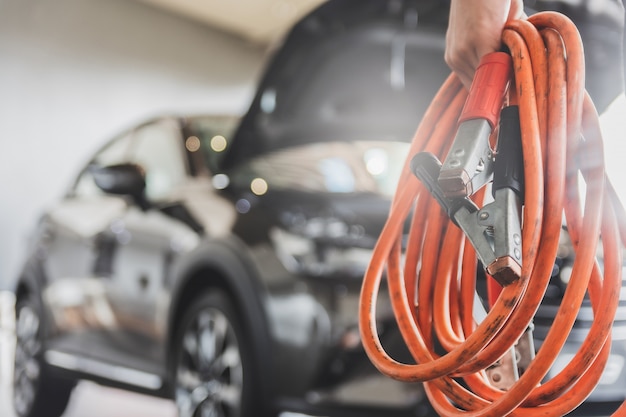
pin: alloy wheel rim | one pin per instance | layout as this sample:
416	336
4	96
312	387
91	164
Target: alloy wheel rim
27	368
209	376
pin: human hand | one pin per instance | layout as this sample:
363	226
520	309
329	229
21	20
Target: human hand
475	29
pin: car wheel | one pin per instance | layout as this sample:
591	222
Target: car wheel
213	376
36	391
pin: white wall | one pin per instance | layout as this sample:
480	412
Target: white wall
74	72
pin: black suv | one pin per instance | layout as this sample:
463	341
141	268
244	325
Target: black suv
217	260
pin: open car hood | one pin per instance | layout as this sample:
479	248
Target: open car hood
368	69
352	69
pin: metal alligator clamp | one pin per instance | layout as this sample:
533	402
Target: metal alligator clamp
495	229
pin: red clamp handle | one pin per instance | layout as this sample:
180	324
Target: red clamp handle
488	87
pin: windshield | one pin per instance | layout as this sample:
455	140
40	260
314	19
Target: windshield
210	136
334	167
317	166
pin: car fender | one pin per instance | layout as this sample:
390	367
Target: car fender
229	269
33	280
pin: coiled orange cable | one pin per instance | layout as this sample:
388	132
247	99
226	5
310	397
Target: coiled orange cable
432	290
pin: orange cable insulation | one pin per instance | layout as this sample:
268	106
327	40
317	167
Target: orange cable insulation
432	290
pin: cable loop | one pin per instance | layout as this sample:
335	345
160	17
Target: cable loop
432	289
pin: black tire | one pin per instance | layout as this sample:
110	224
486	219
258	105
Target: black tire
213	370
37	392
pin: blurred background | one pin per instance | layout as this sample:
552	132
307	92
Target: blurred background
74	73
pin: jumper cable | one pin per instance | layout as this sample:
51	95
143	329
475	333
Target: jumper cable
432	274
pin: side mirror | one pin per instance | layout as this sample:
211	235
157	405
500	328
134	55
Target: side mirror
122	179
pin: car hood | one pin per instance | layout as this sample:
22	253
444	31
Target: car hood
363	69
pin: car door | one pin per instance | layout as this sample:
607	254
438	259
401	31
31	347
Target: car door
79	247
109	260
149	241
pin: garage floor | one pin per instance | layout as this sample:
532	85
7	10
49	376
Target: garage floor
88	399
